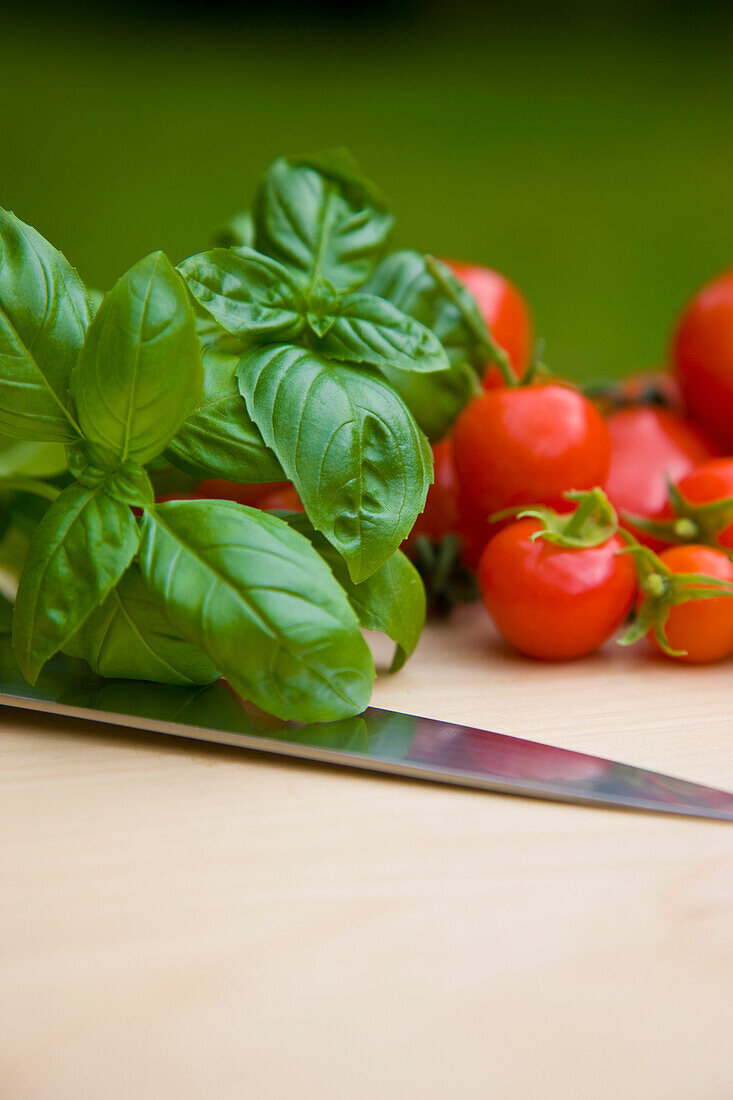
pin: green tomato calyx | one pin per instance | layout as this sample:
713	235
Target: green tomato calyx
689	523
591	523
661	590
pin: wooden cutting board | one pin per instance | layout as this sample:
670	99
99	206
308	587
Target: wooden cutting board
180	920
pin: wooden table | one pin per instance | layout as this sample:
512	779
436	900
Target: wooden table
182	921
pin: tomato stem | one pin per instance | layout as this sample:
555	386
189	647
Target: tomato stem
477	325
588	507
686	529
655	585
690	522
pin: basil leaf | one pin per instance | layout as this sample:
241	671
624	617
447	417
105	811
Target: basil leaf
248	294
348	443
130	484
44	313
391	601
220	439
237	232
96	297
435	400
443	305
78	552
405	280
22	459
129	637
21	512
23	502
255	596
139	373
322	217
361	328
6	615
209	332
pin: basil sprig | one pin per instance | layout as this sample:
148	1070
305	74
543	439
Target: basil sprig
348	358
296	349
180	592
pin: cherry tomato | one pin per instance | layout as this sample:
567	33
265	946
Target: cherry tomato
524	446
505	311
648	446
250	493
440	514
703	628
702	353
475	531
552	602
284	499
709	482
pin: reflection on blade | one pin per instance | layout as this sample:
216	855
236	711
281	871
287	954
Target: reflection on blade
379	740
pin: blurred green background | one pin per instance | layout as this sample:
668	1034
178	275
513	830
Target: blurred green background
589	159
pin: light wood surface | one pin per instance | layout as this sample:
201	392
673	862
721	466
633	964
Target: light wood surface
183	921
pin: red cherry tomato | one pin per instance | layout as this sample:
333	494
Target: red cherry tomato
708	482
648	446
505	311
703	628
702	353
526	446
440	514
284	499
552	602
250	493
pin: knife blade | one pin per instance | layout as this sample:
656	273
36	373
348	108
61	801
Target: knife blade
377	740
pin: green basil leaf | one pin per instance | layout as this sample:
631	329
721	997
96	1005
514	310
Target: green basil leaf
209	332
405	280
23	502
96	297
391	601
44	313
14	544
255	596
237	232
322	217
130	484
20	514
348	443
139	373
129	637
6	615
435	400
78	552
361	328
22	459
29	485
248	294
220	439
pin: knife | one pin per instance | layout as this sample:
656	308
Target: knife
377	740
